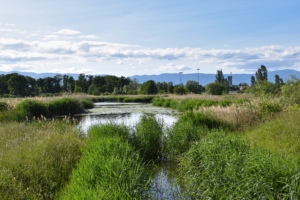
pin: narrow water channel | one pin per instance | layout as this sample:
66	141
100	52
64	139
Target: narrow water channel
162	183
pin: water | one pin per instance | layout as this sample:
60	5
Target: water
162	184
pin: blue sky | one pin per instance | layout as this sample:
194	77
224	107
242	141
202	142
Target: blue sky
131	37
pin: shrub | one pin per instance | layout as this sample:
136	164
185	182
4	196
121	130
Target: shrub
65	106
87	103
32	108
4	106
215	89
267	108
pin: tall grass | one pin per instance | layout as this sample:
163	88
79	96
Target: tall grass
30	108
225	167
148	138
190	128
36	158
189	104
109	168
280	134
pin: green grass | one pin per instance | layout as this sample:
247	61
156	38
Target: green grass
36	159
109	168
280	134
189	104
225	167
148	138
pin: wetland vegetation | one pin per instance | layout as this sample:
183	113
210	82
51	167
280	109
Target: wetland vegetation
241	146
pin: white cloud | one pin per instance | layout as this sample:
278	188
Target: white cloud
172	68
69	46
67	32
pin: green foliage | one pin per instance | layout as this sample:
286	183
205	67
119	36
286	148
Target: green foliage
225	167
180	90
215	88
65	106
267	107
184	133
32	108
280	134
87	103
109	168
148	137
4	106
194	87
291	91
36	159
189	104
263	88
149	87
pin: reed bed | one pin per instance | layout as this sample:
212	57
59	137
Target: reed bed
109	169
37	158
225	167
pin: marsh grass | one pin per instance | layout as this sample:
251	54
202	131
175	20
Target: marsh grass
280	134
109	169
191	128
225	167
148	138
37	158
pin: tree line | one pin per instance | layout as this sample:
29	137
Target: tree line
17	85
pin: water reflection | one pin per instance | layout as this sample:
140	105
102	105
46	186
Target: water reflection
128	119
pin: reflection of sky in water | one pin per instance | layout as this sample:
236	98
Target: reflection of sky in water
128	119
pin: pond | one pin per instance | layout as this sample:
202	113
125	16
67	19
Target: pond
162	183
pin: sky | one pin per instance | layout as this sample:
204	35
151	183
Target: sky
137	37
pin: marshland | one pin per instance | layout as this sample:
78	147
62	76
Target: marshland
166	146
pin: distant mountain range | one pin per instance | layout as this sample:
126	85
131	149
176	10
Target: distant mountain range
176	78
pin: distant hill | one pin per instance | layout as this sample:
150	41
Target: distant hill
204	79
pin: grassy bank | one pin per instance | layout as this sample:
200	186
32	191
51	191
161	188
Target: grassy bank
36	159
29	109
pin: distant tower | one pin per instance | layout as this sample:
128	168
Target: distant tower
230	79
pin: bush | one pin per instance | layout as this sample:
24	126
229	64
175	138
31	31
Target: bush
65	106
4	106
87	103
267	108
215	89
32	108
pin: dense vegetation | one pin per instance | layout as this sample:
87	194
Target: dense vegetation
243	146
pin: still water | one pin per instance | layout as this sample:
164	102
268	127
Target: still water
129	114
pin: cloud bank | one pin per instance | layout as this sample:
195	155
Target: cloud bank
68	46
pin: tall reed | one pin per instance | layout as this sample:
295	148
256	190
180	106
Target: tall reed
148	137
37	158
109	168
225	167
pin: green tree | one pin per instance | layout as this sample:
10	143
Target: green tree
18	85
149	87
262	74
220	77
193	86
180	90
215	88
253	81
